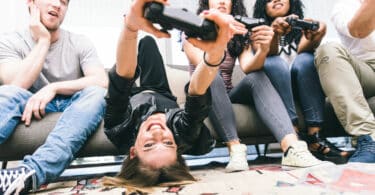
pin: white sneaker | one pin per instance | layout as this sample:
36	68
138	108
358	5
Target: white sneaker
298	155
238	158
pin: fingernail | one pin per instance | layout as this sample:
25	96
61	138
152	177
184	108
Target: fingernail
205	12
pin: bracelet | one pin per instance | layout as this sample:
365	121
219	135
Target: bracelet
214	65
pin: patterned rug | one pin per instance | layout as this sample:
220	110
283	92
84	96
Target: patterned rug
352	178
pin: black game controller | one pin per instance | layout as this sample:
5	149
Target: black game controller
302	24
188	22
250	22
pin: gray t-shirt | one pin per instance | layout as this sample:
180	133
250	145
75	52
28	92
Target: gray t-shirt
67	58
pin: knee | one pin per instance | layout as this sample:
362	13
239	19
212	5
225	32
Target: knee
277	70
94	91
303	64
218	82
147	43
93	95
325	48
14	92
275	63
328	51
254	78
304	59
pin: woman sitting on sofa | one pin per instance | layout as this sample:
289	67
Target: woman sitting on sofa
295	46
145	122
255	89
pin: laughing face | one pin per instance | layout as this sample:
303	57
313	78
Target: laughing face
224	6
52	12
155	145
277	8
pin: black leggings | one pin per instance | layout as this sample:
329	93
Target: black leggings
151	70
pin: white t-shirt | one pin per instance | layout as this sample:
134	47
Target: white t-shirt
67	58
342	13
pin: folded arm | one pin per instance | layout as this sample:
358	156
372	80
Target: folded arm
363	22
24	72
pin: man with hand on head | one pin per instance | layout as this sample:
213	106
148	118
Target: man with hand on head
46	69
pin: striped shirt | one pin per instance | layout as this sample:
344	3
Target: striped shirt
226	70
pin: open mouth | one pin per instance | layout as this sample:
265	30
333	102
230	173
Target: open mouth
152	126
53	13
278	6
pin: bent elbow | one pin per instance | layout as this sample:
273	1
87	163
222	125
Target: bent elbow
359	32
20	84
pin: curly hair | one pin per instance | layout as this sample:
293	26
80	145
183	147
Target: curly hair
238	42
296	7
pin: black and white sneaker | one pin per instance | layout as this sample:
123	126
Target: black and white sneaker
298	155
15	180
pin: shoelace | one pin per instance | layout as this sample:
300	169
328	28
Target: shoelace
6	178
304	154
18	184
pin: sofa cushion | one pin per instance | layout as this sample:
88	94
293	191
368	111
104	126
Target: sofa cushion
25	140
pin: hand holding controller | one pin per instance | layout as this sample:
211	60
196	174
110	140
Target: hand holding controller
250	22
188	22
302	24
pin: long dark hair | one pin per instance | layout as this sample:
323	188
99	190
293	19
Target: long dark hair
238	42
135	174
296	7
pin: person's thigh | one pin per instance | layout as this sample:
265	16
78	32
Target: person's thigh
83	112
365	74
221	113
347	81
12	103
277	70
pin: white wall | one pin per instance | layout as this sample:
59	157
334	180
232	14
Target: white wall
101	20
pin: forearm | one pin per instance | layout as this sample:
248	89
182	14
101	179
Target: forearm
197	107
193	54
117	99
250	63
126	54
307	45
203	75
363	22
188	122
72	86
28	70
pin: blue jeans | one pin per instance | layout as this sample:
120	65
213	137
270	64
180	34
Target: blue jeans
302	81
82	112
278	72
308	90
